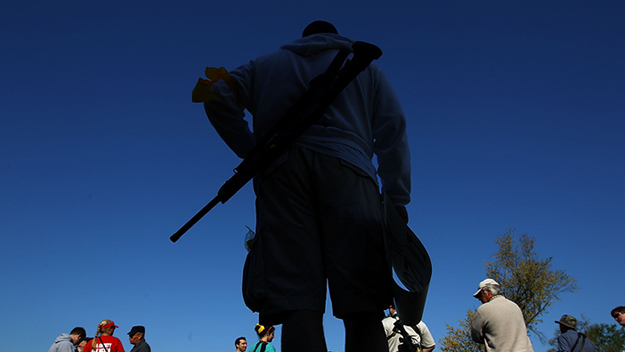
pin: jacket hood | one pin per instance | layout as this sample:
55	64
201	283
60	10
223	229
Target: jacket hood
63	337
316	43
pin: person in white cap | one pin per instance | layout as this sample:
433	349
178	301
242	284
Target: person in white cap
570	340
499	323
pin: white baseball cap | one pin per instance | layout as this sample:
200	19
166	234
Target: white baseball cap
483	284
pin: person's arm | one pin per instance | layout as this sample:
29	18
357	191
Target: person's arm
403	213
564	343
477	327
391	142
227	113
427	340
387	323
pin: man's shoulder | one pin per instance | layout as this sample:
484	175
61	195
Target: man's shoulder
496	305
389	321
567	339
63	343
141	347
257	346
268	347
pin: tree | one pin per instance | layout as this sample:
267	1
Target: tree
525	279
607	337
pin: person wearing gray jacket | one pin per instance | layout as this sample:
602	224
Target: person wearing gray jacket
68	343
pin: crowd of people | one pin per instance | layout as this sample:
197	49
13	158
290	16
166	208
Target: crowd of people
104	341
498	324
320	220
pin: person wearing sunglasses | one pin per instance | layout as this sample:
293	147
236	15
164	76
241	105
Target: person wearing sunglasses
618	314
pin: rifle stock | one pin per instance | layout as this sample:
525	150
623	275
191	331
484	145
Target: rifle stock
310	107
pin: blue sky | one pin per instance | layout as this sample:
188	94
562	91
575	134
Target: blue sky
515	119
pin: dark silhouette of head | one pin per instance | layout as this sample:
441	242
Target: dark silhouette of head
319	27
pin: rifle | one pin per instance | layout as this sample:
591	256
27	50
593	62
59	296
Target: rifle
309	108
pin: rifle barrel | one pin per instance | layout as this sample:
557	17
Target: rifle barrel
200	214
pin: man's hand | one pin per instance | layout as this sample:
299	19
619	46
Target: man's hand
402	212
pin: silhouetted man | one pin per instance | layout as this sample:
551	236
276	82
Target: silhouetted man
318	208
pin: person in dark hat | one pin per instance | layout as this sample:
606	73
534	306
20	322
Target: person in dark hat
570	340
136	335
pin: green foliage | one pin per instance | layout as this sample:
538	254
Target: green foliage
607	337
525	279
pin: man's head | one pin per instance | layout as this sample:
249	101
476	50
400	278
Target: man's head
241	344
77	334
392	310
486	290
567	322
317	27
136	334
81	345
618	314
